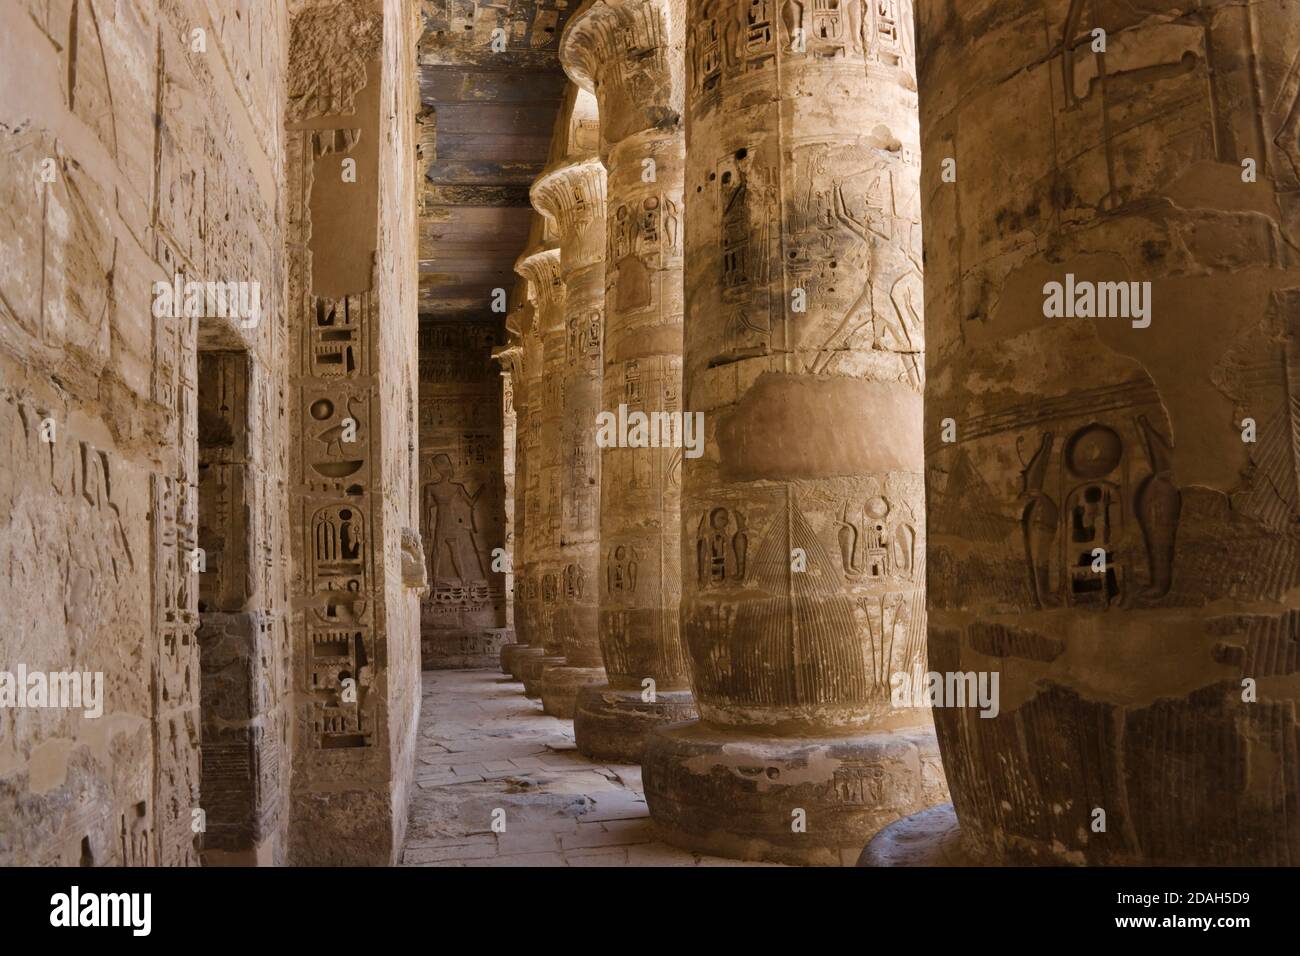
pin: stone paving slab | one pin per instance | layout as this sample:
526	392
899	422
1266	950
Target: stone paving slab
484	747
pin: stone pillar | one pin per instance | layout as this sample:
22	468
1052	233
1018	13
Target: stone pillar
528	488
630	55
511	359
353	313
523	359
509	472
1114	496
803	522
541	269
571	194
515	408
535	501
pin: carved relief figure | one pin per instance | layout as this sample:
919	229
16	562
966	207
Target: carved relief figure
881	545
621	570
575	582
1039	520
337	539
745	230
583	336
450	529
721	548
337	337
1157	505
1080	552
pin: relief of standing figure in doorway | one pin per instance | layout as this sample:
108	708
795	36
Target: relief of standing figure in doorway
455	555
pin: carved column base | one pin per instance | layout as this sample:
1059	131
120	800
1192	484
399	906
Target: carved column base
560	685
508	653
530	672
929	838
525	653
612	725
735	794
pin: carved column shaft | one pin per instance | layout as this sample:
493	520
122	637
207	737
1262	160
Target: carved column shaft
571	195
803	576
541	268
630	55
1113	292
512	363
530	445
511	385
525	372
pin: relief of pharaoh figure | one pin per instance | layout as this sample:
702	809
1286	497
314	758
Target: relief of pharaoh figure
450	527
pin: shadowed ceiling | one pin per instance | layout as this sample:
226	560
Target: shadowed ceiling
488	116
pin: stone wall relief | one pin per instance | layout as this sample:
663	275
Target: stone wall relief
1084	507
337	342
462	506
176	671
336	446
641	235
339	559
753	610
458	536
747	203
583	337
735	39
884	574
721	548
335	449
621	567
341	678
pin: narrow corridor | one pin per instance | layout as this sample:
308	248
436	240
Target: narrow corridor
867	429
484	747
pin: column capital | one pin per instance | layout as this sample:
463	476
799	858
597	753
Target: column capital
523	317
572	196
620	50
540	267
510	357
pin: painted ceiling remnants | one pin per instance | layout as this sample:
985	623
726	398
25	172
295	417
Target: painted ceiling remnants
490	83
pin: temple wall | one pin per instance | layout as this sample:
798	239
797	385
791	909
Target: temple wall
105	402
462	492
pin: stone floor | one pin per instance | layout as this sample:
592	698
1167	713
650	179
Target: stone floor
484	749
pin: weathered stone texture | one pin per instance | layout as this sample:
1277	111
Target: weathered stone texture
570	194
99	528
509	427
353	301
631	56
803	521
462	495
1080	438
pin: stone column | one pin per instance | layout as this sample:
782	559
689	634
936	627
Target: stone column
528	403
571	194
803	522
630	55
1113	309
541	269
509	358
512	362
515	409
